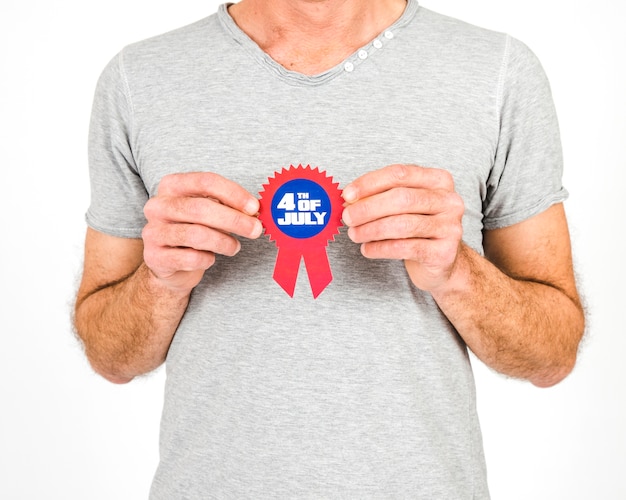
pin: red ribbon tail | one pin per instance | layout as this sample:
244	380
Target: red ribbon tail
318	269
286	269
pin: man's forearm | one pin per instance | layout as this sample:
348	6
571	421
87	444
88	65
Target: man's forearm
521	328
127	327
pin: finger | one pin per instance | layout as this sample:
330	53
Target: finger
209	185
194	236
398	175
405	226
425	252
399	201
166	261
203	211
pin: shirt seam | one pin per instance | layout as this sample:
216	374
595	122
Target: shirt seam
126	91
545	202
94	222
504	66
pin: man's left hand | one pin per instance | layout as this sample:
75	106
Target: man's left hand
411	213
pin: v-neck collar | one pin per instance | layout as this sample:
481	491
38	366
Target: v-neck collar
348	65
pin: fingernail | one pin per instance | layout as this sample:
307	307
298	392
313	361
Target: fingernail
346	218
349	194
252	206
257	230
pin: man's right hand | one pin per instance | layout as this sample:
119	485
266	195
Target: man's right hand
193	217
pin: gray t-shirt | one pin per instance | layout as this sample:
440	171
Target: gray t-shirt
366	391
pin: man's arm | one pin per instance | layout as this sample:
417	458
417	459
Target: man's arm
518	309
124	316
134	292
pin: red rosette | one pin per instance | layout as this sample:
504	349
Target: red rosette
300	209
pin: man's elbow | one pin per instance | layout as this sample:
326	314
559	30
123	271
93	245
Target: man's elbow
553	376
115	379
110	374
98	359
562	364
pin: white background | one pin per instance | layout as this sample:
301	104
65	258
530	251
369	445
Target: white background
67	434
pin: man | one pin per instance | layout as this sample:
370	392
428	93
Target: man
445	141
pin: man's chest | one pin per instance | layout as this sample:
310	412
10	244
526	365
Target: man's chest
248	134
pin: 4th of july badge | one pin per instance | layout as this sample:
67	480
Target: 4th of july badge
301	212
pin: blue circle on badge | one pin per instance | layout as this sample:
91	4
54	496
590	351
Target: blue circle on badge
301	208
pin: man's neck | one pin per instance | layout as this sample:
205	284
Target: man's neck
312	36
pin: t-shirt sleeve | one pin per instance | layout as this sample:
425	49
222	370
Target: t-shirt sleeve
118	194
526	177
